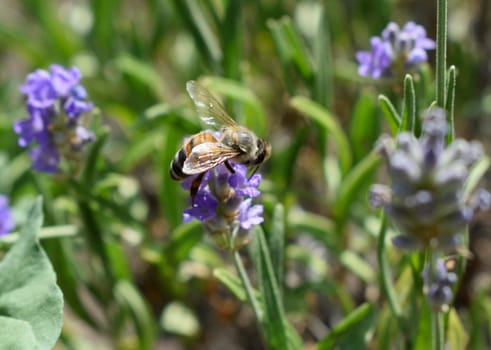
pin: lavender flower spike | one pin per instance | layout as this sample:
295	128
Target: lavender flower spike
224	205
425	198
55	103
397	51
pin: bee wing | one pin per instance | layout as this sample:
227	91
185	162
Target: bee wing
206	156
208	108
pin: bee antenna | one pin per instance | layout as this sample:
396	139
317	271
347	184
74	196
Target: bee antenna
254	171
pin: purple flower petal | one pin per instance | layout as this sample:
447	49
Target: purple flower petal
250	216
45	159
204	207
64	79
7	223
74	107
39	89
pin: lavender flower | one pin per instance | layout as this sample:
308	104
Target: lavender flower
55	103
6	220
438	283
396	51
426	196
224	205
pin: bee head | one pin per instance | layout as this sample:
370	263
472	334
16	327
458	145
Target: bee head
263	151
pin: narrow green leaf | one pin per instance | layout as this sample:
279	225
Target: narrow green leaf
298	50
195	20
456	334
365	125
142	72
318	226
424	339
357	265
143	320
231	38
450	102
184	238
252	298
31	304
351	185
353	331
323	62
386	284
93	157
391	115
232	282
44	233
328	121
441	51
104	31
475	175
284	52
276	242
277	328
409	107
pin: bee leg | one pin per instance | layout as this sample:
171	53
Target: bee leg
229	167
195	187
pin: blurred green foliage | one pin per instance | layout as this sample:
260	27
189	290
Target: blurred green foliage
135	277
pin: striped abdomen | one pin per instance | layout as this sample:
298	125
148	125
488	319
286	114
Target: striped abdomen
178	162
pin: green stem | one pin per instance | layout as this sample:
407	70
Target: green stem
437	330
441	52
385	278
59	231
248	287
437	322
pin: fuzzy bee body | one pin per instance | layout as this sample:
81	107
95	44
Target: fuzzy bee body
206	150
177	164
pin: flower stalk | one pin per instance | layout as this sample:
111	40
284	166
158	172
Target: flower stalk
441	52
223	204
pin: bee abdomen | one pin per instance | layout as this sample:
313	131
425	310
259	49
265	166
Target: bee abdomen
176	166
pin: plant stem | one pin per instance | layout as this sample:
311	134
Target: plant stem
437	331
248	287
385	278
441	52
437	322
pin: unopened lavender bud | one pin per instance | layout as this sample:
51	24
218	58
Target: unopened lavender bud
391	32
438	285
481	200
408	243
426	198
385	146
404	168
379	195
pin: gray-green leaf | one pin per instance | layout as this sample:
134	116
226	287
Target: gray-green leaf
31	304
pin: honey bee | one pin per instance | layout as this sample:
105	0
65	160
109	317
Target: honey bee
206	150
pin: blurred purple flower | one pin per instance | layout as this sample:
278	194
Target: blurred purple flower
425	198
64	80
397	49
55	101
374	63
438	282
6	220
223	205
